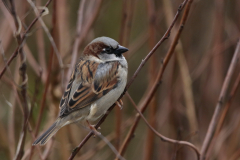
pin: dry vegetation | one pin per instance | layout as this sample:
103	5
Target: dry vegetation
184	75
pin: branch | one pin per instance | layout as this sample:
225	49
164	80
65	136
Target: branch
46	85
228	104
54	46
83	31
77	39
124	34
22	40
185	76
77	149
43	101
165	36
159	76
221	101
51	39
34	100
24	77
152	70
163	138
11	129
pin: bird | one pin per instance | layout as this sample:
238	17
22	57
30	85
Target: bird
96	83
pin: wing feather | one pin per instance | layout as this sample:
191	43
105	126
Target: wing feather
63	102
94	81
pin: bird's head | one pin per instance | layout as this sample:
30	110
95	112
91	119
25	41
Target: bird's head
104	48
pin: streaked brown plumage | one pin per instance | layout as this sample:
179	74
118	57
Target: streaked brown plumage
97	81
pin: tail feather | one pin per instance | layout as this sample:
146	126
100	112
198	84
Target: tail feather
42	140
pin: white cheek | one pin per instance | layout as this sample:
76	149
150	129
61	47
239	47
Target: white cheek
107	57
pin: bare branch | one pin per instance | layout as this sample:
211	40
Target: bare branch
163	138
24	77
22	39
77	39
159	76
221	103
228	104
165	36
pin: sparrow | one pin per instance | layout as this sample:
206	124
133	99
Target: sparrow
96	83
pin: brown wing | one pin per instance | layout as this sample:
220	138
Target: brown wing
63	102
90	84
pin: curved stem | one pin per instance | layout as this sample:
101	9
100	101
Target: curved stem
163	138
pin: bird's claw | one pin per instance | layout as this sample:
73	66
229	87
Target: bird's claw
95	132
120	104
93	129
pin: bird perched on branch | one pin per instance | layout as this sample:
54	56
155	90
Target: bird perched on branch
96	83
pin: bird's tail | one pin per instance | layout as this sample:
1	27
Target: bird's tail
42	140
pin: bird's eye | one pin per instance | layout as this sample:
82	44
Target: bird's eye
108	49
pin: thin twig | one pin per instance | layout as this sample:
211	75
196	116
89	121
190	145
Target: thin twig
22	72
235	155
127	30
118	113
34	99
151	78
137	44
43	101
186	79
159	77
13	100
41	48
205	61
31	60
15	53
165	36
99	146
94	14
228	104
77	39
221	101
45	91
110	146
111	136
217	73
124	34
77	149
54	46
163	138
7	28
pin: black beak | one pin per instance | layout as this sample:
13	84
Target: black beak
120	50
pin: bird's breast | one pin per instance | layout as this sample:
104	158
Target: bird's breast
104	103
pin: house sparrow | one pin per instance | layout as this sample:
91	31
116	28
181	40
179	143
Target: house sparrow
96	83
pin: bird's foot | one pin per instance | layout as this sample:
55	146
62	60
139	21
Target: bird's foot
95	132
119	104
93	129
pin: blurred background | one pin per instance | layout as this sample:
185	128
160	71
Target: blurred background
182	106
